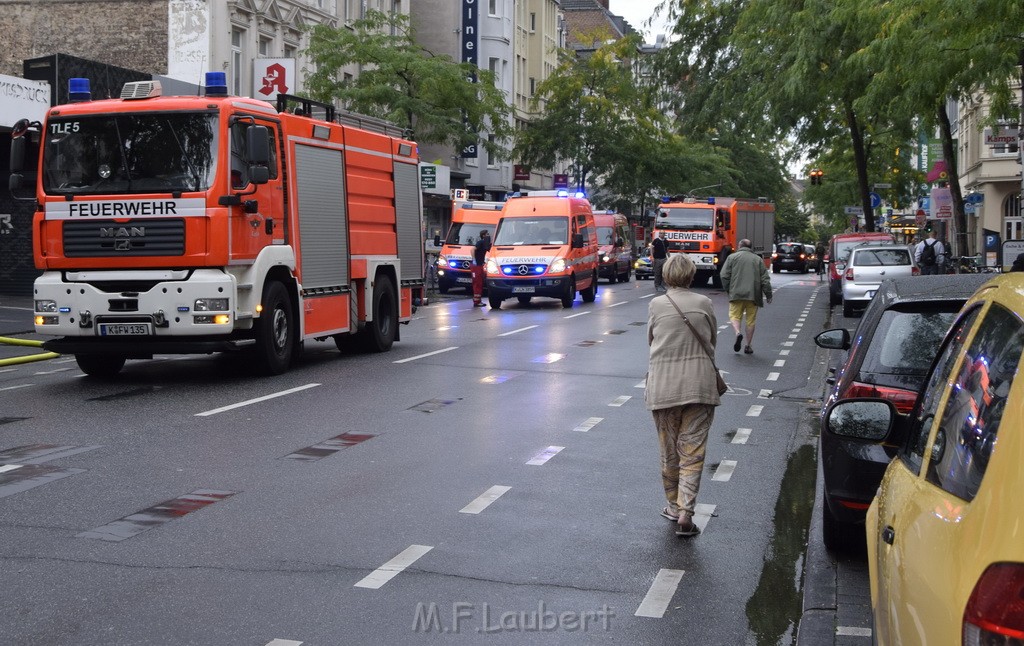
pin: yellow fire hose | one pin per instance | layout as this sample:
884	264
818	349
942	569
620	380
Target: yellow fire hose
6	340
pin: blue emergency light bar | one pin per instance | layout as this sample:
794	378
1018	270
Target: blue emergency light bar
78	90
216	84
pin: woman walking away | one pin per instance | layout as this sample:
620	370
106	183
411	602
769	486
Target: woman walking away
682	389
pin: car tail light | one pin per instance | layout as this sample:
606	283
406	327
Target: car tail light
802	256
902	399
849	274
995	611
914	271
774	256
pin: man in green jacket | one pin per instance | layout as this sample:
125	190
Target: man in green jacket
749	285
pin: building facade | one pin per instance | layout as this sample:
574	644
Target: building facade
989	167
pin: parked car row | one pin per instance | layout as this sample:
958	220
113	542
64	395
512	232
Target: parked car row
915	446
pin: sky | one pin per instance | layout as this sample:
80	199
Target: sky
636	13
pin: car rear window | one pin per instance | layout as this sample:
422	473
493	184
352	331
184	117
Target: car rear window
789	248
881	257
905	343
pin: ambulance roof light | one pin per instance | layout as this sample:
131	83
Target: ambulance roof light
562	193
216	84
78	90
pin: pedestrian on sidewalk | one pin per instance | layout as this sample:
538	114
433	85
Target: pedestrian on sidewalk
659	252
681	390
480	249
930	255
749	285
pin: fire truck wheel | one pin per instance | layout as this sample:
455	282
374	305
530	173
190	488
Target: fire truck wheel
103	366
570	293
274	331
380	332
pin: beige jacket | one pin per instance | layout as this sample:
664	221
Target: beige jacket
680	371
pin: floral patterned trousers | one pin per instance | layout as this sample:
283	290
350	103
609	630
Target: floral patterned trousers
683	438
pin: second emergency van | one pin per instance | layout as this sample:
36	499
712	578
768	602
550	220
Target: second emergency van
455	262
614	250
545	245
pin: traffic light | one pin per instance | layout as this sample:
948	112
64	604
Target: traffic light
816	174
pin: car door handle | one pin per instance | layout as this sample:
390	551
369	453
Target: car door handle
889	534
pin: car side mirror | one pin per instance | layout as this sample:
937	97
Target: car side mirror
863	419
437	241
835	339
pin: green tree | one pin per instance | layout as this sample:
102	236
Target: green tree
431	95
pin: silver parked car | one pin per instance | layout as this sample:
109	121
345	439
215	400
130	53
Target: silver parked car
867	267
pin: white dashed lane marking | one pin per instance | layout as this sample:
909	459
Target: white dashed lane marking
522	329
617	304
764	394
572	316
484	500
10	467
772	376
724	471
256	400
852	631
590	423
393	568
429	354
754	411
545	455
620	400
660	594
284	642
779	363
783	353
742	435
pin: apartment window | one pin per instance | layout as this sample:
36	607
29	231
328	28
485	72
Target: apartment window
492	7
533	22
290	52
237	56
492	159
1003	149
533	86
494	65
264	47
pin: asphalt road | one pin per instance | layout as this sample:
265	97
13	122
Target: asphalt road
492	479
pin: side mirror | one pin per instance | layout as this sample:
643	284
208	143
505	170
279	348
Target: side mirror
14	182
864	419
577	241
257	145
437	241
18	154
835	339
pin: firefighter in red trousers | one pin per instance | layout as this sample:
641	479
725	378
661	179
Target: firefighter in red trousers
483	245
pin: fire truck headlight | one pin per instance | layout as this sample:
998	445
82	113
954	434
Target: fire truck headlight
46	306
211	304
214	319
491	266
46	320
558	266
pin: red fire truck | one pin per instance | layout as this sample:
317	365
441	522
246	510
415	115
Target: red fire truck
708	229
199	224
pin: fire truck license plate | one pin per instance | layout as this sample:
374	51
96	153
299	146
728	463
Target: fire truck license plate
125	329
463	280
523	289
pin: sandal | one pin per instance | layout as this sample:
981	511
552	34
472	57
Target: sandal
687	529
748	350
667	513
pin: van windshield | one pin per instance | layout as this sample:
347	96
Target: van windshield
606	235
527	231
467	232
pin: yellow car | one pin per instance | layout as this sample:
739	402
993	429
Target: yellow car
945	531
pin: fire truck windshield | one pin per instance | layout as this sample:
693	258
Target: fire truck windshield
130	153
702	218
539	230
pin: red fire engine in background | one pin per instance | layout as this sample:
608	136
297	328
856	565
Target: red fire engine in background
708	229
198	224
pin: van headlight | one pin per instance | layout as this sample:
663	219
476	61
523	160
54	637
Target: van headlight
606	258
491	266
558	266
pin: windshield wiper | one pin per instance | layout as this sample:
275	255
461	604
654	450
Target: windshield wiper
191	169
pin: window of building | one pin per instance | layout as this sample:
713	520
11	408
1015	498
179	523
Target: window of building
237	56
494	65
290	52
492	7
1010	149
533	86
533	22
492	159
265	44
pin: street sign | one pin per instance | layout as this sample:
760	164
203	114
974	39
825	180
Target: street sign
921	217
876	200
428	176
853	210
882	185
1011	249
